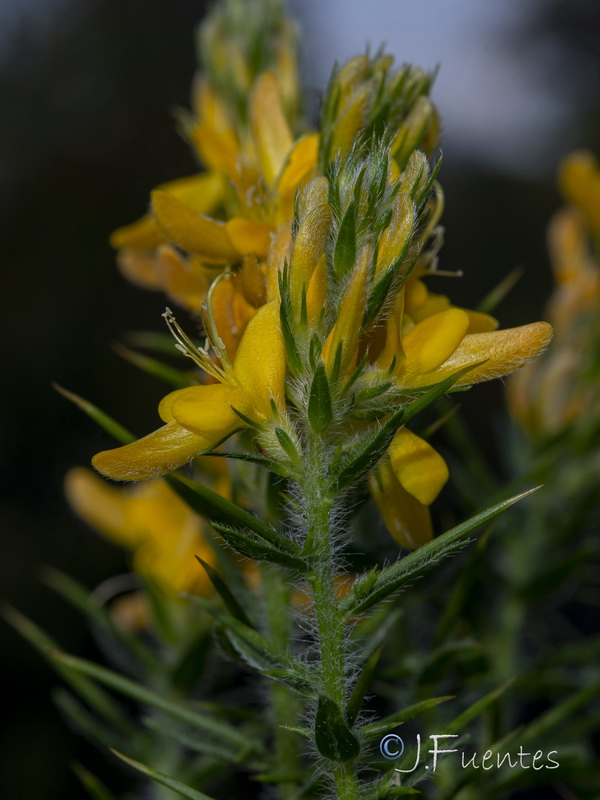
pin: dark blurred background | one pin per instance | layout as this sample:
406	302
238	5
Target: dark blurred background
86	91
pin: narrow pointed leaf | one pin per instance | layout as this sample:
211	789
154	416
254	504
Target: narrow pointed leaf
259	550
260	652
106	422
152	366
200	744
385	724
333	737
93	786
97	699
86	725
216	508
164	780
225	592
392	578
146	696
361	687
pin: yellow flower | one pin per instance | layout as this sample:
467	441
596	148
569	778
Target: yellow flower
199	417
149	520
554	392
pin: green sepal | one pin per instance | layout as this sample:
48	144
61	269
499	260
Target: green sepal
320	411
286	314
93	786
151	366
287	444
259	550
163	779
333	737
392	578
216	508
225	592
344	253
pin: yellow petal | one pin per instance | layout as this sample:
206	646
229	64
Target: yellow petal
311	237
250	236
144	234
269	126
161	451
202	192
260	363
186	286
420	469
231	312
103	507
503	351
192	231
317	292
429	343
139	267
206	410
346	331
300	162
407	520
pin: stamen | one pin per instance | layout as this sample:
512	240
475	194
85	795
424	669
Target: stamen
199	355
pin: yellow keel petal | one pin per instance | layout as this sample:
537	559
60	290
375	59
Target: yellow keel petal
419	468
161	451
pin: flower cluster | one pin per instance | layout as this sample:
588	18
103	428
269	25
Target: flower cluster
310	284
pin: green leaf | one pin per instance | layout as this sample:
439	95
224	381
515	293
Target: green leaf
211	505
76	594
333	737
361	686
151	366
392	578
164	780
146	696
200	744
225	592
286	313
261	551
468	715
260	652
97	699
499	292
320	411
93	786
552	719
87	725
392	721
107	423
344	253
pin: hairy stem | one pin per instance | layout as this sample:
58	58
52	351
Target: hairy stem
318	506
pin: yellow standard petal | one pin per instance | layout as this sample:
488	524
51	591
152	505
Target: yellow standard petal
260	363
161	451
192	231
250	236
420	469
407	520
